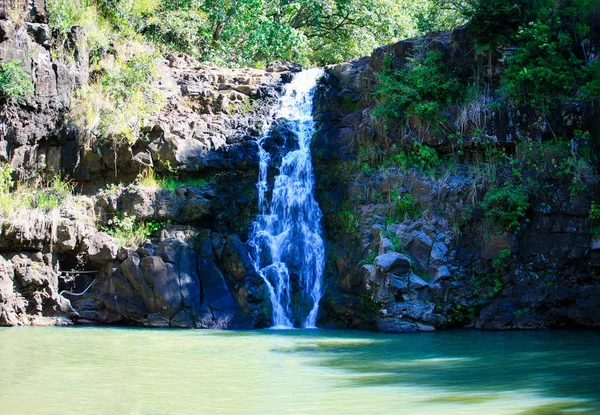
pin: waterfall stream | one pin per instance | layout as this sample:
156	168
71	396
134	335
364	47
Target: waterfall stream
285	240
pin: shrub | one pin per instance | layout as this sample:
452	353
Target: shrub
63	15
543	70
347	220
115	108
172	182
506	206
495	22
405	206
423	86
369	304
17	197
53	195
149	179
129	231
370	259
419	156
183	30
595	216
15	82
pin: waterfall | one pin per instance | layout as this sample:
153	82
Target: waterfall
285	239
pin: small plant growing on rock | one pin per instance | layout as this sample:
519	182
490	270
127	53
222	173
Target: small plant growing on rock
595	216
424	86
15	83
370	259
405	206
369	305
127	230
505	207
115	108
33	195
149	179
347	220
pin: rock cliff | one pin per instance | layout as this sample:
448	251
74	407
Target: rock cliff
442	265
436	264
196	272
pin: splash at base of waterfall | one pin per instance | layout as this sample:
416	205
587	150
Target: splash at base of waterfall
285	240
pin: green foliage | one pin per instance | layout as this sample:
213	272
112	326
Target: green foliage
553	161
418	156
499	263
595	216
52	196
370	259
423	87
405	206
498	286
347	220
255	32
543	70
458	314
115	108
63	15
348	104
129	231
112	189
369	305
183	29
149	179
505	207
16	198
15	83
496	22
8	202
434	15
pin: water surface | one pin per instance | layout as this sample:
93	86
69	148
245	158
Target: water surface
136	371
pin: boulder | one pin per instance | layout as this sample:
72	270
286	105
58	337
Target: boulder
102	248
393	262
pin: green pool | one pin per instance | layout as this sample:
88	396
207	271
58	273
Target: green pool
136	371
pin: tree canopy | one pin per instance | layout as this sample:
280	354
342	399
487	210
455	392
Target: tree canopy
255	32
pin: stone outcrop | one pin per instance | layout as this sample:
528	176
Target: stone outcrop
391	274
58	268
447	268
183	279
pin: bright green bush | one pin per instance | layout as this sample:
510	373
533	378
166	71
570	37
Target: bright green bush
347	220
423	86
505	207
15	82
63	15
149	179
419	156
129	231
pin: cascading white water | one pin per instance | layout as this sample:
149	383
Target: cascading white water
285	240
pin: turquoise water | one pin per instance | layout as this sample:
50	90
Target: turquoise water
134	371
